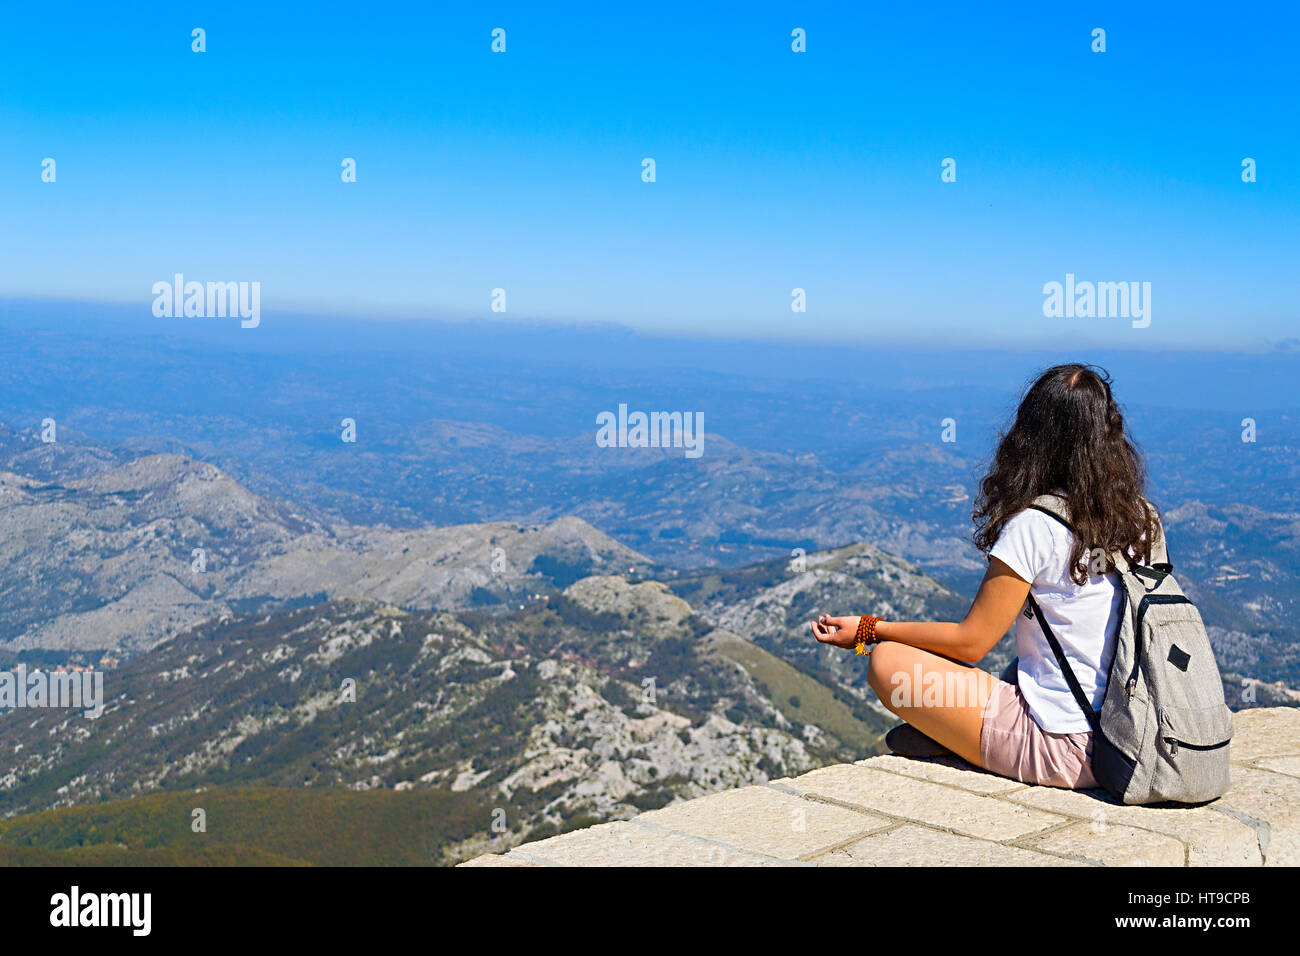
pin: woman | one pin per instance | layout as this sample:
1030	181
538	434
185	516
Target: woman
1068	439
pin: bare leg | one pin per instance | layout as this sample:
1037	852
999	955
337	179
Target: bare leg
941	698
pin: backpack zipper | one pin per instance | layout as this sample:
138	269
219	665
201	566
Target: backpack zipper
1174	744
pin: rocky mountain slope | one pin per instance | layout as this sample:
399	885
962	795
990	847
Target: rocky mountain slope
128	555
594	703
602	701
1240	566
773	603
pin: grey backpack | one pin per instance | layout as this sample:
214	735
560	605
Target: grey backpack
1163	729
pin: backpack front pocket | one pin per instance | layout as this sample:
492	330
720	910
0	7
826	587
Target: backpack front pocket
1177	660
1193	724
1193	753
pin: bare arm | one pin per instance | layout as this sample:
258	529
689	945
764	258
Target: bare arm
1001	596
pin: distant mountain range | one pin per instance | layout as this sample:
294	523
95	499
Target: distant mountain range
126	557
104	551
102	547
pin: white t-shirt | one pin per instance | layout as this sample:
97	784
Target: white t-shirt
1085	619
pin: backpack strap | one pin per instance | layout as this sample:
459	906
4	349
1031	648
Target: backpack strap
1159	566
1080	697
1055	507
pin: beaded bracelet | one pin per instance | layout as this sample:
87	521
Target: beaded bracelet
866	633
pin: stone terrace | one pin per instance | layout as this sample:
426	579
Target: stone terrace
895	811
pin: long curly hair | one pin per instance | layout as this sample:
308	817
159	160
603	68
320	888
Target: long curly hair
1069	438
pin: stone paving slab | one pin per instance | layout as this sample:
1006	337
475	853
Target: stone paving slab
893	811
949	770
911	798
768	821
1265	732
1112	844
910	845
631	844
1213	838
1273	799
1287	765
497	859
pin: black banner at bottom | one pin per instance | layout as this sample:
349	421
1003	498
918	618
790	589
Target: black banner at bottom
338	905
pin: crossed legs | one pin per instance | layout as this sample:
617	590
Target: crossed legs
942	698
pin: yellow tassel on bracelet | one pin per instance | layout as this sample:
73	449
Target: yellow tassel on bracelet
866	633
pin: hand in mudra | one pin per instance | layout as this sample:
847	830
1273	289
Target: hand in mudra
839	631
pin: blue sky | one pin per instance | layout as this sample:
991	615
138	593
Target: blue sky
775	170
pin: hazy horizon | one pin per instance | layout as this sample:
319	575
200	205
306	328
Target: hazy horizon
776	170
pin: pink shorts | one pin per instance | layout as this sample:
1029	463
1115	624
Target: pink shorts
1013	745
